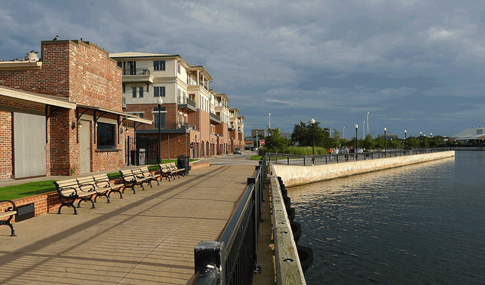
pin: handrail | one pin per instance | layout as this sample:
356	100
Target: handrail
232	259
308	160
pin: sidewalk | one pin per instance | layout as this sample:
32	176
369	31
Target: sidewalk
144	238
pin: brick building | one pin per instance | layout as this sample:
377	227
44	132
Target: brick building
62	114
194	119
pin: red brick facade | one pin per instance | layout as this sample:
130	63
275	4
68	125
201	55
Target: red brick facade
83	73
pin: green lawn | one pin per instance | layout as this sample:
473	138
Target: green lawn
256	157
26	190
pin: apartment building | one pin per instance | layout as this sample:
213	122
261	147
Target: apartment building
61	114
192	120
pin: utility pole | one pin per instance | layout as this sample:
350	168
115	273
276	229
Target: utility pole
269	121
368	123
363	130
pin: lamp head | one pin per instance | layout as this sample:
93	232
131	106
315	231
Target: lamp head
159	101
405	131
312	121
385	129
356	126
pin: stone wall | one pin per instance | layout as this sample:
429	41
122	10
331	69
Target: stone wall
293	175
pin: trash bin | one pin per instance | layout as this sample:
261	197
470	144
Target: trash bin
141	156
183	162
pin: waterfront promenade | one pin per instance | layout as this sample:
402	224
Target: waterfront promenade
144	238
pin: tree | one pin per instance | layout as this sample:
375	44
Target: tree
303	135
275	142
368	143
412	142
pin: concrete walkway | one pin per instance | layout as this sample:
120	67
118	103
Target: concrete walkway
144	238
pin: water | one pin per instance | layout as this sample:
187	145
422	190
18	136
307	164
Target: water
422	224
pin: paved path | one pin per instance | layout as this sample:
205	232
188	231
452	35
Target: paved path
146	238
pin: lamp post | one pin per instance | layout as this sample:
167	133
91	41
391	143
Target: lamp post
356	128
363	130
385	140
368	123
343	132
405	132
313	140
159	102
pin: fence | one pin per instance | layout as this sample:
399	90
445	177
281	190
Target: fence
232	259
290	159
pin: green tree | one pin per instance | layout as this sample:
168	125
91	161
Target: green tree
379	142
424	142
393	144
412	142
275	142
303	135
368	143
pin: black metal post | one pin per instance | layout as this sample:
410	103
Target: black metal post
159	134
385	141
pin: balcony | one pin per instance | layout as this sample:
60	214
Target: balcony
175	126
188	106
136	75
215	118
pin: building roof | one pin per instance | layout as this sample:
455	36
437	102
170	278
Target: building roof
470	134
140	54
37	97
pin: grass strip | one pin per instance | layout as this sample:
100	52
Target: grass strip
26	190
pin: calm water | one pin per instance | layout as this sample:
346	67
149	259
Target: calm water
422	224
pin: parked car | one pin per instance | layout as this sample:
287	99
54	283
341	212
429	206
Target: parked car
336	151
359	150
237	151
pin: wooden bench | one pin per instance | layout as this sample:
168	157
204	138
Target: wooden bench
130	179
170	170
10	211
102	181
87	183
69	191
149	175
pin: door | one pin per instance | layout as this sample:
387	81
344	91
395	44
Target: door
85	145
29	145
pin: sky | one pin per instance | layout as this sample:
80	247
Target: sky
415	65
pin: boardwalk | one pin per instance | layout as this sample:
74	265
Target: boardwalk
146	238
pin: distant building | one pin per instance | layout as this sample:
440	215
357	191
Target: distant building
258	133
469	135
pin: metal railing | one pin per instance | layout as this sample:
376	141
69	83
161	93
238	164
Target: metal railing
305	160
136	71
214	116
176	126
232	259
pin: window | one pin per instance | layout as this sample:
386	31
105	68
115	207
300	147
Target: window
178	67
133	91
124	87
159	91
106	135
120	64
159	121
140	92
159	65
480	132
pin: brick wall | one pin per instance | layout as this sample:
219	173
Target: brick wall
85	74
6	167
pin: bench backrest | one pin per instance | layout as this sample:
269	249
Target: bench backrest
86	183
67	187
127	175
102	180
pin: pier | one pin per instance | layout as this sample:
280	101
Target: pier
145	238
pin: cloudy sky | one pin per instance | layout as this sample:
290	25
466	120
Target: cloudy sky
412	64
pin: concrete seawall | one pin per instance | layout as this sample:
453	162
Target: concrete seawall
293	175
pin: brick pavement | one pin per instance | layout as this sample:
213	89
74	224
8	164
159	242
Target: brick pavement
145	238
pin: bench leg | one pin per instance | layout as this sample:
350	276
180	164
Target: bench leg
101	194
8	223
116	190
85	199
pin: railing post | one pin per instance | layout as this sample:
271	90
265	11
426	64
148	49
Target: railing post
288	159
208	262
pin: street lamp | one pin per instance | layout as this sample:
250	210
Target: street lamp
405	132
356	128
313	132
159	102
385	140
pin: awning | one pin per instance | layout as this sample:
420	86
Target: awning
37	98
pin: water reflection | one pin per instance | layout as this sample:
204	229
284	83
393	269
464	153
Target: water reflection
414	224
